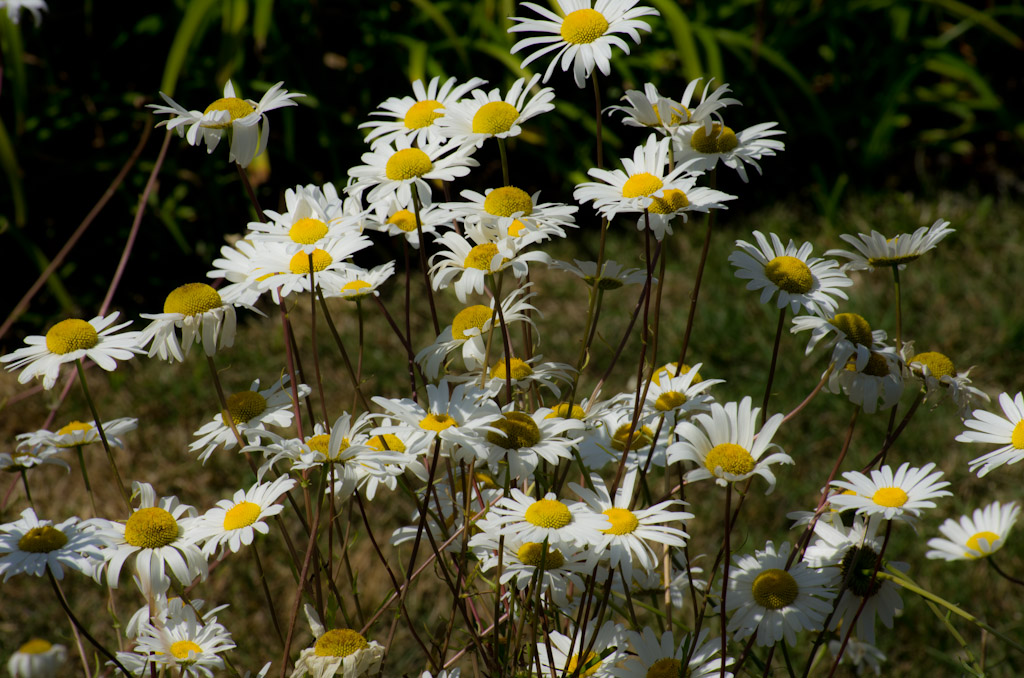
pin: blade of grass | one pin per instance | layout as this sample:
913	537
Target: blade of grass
191	30
441	21
981	18
682	36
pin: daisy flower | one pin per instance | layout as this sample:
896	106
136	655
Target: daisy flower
629	538
899	495
876	251
524	439
512	210
941	378
977	536
337	652
522	517
703	146
285	274
185	644
775	602
848	334
155	537
879	384
311	220
234	522
238	265
26	456
801	281
560	655
414	117
202	316
522	561
726	447
662	657
1007	431
611	429
679	397
394	169
34	546
400	221
522	374
484	115
37	658
651	109
863	656
243	120
472	259
250	411
584	36
361	282
71	340
612	276
78	434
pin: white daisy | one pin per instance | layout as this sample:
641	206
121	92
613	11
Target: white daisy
472	259
71	340
337	652
238	265
285	274
775	602
976	536
605	439
202	316
234	522
583	38
538	520
651	109
250	411
393	169
34	546
662	657
613	275
522	374
484	115
25	457
190	647
679	397
79	433
14	8
628	540
848	334
707	144
899	495
361	282
801	281
562	655
155	537
727	446
940	378
878	385
414	117
863	656
400	220
511	210
1007	431
243	120
526	438
312	219
37	658
876	251
522	560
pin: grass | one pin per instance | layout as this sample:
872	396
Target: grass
960	299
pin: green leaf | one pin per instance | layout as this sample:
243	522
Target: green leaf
9	161
193	24
682	36
261	18
441	21
981	18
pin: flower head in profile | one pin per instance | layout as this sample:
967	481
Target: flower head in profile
707	144
244	121
415	117
33	546
1007	431
78	434
98	339
37	658
876	251
662	657
893	495
337	651
976	536
940	378
583	37
201	314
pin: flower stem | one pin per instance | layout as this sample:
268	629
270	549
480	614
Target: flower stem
103	436
1003	574
423	260
504	162
85	477
725	573
899	309
24	482
696	283
771	369
252	195
74	620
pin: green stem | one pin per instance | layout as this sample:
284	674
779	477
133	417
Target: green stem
24	482
771	369
85	477
504	162
696	283
103	436
423	260
899	309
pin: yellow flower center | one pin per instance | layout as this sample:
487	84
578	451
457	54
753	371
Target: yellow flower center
731	457
42	540
300	262
666	667
593	661
520	431
938	364
481	256
669	400
516	228
181	648
520	370
471	317
73	427
548	513
245	406
192	299
1017	437
641	184
974	543
404	220
855	327
603	283
857	567
877	366
774	589
35	646
437	422
388	441
562	411
320	444
340	643
150	528
623	521
669	370
241	515
642	438
423	114
307	231
721	139
671	201
890	497
238	108
789	274
508	200
583	27
531	553
496	117
408	163
355	285
71	335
